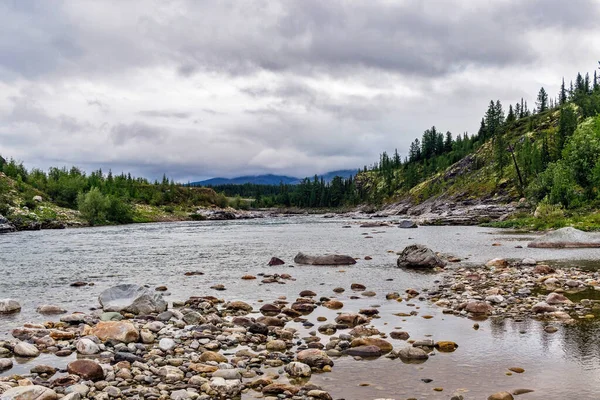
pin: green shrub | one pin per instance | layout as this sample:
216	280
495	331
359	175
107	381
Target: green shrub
93	206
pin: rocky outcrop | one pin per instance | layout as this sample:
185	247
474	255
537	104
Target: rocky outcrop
566	238
419	256
329	259
5	225
132	298
226	214
451	211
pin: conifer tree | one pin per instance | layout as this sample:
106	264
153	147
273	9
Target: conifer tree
542	101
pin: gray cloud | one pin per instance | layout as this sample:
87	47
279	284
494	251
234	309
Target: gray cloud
135	132
204	88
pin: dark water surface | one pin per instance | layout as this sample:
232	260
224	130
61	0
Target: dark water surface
37	268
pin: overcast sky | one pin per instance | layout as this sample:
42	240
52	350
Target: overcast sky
200	89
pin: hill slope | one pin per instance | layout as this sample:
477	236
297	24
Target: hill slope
271	179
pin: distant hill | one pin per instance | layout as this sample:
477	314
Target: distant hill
271	179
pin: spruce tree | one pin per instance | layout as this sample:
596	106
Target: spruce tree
562	97
542	100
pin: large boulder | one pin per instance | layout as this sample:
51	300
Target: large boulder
30	392
566	238
419	256
9	306
133	299
407	224
328	259
87	369
5	225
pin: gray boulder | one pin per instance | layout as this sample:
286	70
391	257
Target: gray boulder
565	238
419	256
5	225
329	259
34	392
133	299
9	306
407	224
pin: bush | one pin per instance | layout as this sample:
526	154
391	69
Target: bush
93	206
119	211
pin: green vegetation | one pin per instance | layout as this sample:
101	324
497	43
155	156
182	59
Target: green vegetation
73	197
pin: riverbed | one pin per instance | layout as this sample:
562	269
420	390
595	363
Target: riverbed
38	268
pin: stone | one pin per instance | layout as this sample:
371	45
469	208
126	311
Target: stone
420	257
478	307
276	345
111	316
133	299
5	225
297	369
319	394
9	306
383	345
227	374
446	346
278	388
121	331
333	304
30	392
43	369
275	261
528	261
37	199
226	388
501	396
399	335
364	351
87	347
270	310
497	262
212	356
48	309
412	353
25	349
166	344
5	363
557	298
351	320
86	369
314	358
239	306
407	224
170	374
518	370
543	307
330	259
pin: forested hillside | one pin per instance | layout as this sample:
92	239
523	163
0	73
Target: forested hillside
33	198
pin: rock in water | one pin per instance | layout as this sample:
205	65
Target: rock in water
133	299
501	396
298	369
419	256
5	225
9	306
329	259
407	224
566	238
25	349
31	392
276	261
49	309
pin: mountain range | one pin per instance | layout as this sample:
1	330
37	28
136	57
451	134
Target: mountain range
270	179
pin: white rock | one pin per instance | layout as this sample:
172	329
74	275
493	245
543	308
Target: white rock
9	306
86	346
5	363
33	392
25	349
166	344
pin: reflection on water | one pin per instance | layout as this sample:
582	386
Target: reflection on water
37	268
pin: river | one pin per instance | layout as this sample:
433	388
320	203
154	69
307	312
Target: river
38	267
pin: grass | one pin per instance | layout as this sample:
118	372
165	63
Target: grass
581	219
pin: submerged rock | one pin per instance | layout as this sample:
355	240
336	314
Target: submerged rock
566	238
276	261
329	259
419	256
132	298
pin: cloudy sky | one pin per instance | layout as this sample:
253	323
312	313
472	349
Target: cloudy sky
200	88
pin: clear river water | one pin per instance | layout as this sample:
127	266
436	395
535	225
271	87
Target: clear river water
37	268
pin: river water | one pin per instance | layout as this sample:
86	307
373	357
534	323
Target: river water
37	268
